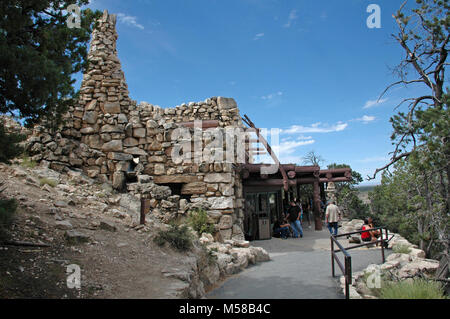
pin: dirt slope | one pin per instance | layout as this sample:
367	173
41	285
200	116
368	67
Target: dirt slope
119	260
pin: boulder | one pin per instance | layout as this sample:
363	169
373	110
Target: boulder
401	258
76	237
418	253
224	103
60	204
63	225
105	225
206	238
260	253
210	275
418	266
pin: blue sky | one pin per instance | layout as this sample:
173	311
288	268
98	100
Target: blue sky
311	68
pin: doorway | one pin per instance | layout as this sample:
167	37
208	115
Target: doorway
261	211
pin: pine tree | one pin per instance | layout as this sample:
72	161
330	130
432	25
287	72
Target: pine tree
39	54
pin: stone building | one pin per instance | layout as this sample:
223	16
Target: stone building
175	157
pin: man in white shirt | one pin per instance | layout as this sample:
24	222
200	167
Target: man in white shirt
332	217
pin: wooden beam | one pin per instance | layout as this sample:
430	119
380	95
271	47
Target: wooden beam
269	182
174	179
263	141
335	171
307	169
205	124
299	181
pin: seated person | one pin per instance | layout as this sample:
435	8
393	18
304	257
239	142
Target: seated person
367	235
281	230
374	233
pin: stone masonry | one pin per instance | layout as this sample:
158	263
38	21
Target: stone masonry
114	139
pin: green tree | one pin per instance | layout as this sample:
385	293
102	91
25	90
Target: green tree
417	192
407	203
39	54
9	147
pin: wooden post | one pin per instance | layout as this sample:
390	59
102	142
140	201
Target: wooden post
144	208
317	213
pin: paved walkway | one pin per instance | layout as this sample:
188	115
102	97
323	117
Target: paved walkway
299	269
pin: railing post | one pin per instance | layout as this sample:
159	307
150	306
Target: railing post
382	245
332	256
348	276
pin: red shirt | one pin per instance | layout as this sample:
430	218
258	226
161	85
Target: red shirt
366	234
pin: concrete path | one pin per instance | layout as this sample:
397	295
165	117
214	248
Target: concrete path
299	269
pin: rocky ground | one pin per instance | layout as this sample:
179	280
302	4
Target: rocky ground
70	219
405	263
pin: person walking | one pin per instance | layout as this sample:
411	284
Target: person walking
294	219
332	217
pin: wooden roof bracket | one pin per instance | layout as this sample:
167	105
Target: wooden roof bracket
263	141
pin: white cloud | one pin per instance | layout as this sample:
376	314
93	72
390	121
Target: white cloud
376	159
129	20
372	103
366	119
287	151
316	128
289	147
300	137
258	36
292	17
271	96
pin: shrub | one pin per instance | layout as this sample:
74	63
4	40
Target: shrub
415	289
27	162
401	249
210	254
46	181
8	208
178	237
199	221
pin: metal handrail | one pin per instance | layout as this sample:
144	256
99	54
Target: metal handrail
347	267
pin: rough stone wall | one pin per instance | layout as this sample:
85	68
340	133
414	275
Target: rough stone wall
112	138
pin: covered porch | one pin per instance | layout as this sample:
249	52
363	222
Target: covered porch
267	195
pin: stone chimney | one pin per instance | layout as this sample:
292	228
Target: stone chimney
104	92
